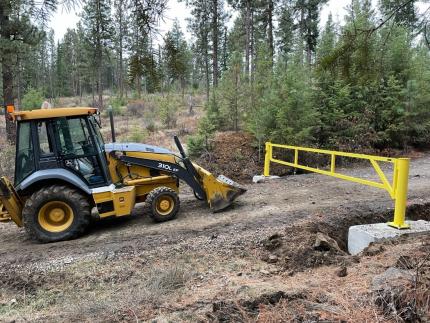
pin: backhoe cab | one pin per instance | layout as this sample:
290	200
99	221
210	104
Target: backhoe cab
64	170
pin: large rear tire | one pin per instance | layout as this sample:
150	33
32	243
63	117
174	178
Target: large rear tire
56	213
163	204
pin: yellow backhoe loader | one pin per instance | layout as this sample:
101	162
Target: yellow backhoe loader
65	173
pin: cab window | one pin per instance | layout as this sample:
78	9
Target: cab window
97	132
24	164
76	147
74	137
45	145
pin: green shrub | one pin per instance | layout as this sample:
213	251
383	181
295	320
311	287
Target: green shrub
138	134
151	127
33	99
168	108
196	145
201	142
118	105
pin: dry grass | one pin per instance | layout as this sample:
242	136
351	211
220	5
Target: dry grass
92	290
184	287
162	281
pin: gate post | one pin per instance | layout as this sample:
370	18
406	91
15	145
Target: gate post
267	158
401	194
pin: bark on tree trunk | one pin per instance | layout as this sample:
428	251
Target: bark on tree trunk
207	70
121	60
215	42
224	50
247	36
252	47
236	103
139	87
8	98
100	89
7	72
270	30
99	58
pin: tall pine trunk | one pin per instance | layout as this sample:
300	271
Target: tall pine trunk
121	59
100	88
207	73
7	70
236	99
252	47
215	43
247	36
99	57
270	30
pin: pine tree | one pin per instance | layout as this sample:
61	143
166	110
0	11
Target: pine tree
144	17
200	26
285	32
16	32
98	28
308	12
176	56
121	21
247	9
404	11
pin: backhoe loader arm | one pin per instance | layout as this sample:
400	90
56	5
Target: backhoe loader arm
11	201
218	192
167	167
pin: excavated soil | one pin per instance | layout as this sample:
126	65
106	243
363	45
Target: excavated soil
277	255
234	155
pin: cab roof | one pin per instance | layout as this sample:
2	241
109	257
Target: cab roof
52	113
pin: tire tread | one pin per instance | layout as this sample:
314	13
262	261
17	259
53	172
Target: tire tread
81	209
150	199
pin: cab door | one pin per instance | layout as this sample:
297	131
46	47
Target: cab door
45	154
78	151
24	158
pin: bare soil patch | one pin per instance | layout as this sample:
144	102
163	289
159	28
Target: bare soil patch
257	261
234	156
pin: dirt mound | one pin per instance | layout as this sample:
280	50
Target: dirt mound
234	156
302	247
319	243
247	310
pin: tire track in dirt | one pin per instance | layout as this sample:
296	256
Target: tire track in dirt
265	207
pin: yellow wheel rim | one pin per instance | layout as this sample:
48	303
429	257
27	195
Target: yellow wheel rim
55	216
165	205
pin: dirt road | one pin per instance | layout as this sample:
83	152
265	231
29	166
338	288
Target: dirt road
107	274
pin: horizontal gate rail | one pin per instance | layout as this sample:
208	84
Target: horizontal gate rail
397	188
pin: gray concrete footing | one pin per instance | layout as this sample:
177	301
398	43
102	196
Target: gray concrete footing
361	236
262	178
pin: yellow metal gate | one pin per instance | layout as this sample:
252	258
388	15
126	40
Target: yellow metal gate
397	188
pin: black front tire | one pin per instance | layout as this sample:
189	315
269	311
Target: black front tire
159	197
71	199
198	197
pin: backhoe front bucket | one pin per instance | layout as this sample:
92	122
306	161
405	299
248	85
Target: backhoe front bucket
221	191
10	202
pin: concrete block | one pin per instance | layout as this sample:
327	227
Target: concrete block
262	178
360	236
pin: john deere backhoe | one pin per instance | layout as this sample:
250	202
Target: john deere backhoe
65	173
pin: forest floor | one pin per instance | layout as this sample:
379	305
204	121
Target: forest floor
261	260
254	262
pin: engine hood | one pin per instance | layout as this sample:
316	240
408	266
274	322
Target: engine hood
136	147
